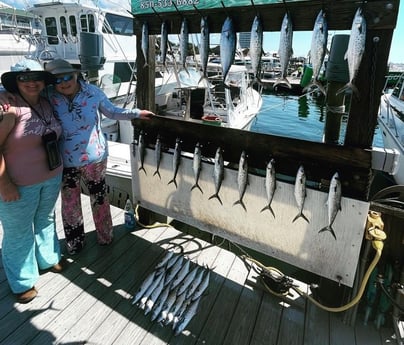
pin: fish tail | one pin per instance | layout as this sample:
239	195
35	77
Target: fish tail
330	229
347	86
145	65
241	203
282	80
300	214
203	77
320	86
196	185
216	195
157	173
268	207
173	181
142	168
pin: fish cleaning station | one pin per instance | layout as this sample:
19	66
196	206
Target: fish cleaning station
231	236
280	233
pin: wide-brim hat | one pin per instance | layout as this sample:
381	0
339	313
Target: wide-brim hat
9	79
59	66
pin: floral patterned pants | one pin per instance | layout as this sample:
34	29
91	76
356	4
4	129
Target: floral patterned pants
93	177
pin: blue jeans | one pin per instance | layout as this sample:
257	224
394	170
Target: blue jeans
30	242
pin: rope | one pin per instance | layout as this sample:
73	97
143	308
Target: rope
377	242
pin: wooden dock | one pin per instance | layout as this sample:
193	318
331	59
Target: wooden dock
90	302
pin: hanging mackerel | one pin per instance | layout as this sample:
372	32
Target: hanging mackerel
333	203
204	47
285	49
184	40
142	151
318	49
145	43
300	193
218	174
242	179
197	166
228	39
270	185
176	161
256	38
157	153
187	316
356	48
164	43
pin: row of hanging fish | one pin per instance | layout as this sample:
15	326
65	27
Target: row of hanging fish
171	293
228	43
334	196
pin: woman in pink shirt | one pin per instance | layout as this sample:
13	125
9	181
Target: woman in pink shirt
30	179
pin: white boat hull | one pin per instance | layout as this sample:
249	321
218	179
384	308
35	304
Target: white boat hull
392	129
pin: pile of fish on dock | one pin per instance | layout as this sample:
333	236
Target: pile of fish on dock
172	291
334	195
228	43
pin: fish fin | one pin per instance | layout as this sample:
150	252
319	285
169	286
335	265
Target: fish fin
284	81
241	203
216	195
330	229
268	207
142	168
300	214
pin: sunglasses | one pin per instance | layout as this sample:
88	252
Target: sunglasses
25	78
64	78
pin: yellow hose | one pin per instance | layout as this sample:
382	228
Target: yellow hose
377	242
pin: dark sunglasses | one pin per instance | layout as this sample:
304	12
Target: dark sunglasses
65	78
25	78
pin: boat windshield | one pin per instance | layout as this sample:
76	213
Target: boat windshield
398	90
118	25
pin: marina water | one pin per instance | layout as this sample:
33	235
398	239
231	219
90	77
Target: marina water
299	117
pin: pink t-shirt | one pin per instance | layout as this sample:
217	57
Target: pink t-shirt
24	152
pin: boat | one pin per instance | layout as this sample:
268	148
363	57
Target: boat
235	106
16	27
100	40
391	122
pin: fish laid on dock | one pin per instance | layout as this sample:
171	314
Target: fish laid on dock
333	203
176	161
228	39
285	50
218	174
242	179
356	48
318	50
300	193
270	185
172	294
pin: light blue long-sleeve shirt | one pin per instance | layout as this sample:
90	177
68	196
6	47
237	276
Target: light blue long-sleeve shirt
82	141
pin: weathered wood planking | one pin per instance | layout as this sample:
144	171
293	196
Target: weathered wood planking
297	243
